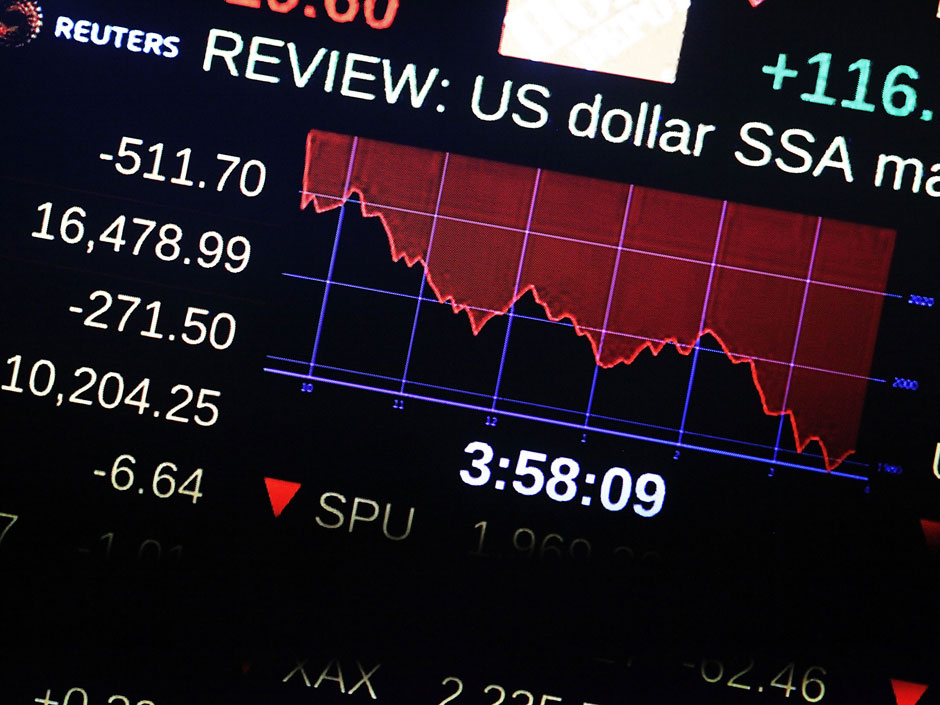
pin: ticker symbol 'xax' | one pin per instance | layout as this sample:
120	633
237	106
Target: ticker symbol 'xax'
20	22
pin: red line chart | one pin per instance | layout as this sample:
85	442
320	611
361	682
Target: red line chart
796	297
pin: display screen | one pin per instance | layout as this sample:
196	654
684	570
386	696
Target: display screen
495	352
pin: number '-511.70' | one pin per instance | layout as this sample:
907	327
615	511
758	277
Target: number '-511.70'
251	174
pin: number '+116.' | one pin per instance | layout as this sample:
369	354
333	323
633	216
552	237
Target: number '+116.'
131	155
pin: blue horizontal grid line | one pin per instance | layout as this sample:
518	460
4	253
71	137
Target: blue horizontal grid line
575	425
615	419
570	325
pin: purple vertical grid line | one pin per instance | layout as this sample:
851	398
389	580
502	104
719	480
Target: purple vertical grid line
610	300
796	339
701	325
512	307
329	274
427	269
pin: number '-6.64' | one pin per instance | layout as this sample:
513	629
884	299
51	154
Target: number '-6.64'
162	484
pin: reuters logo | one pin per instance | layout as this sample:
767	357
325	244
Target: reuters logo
20	22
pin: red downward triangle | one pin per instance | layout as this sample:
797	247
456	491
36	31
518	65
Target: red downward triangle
281	492
907	693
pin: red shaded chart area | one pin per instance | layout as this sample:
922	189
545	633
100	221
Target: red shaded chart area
796	297
931	531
